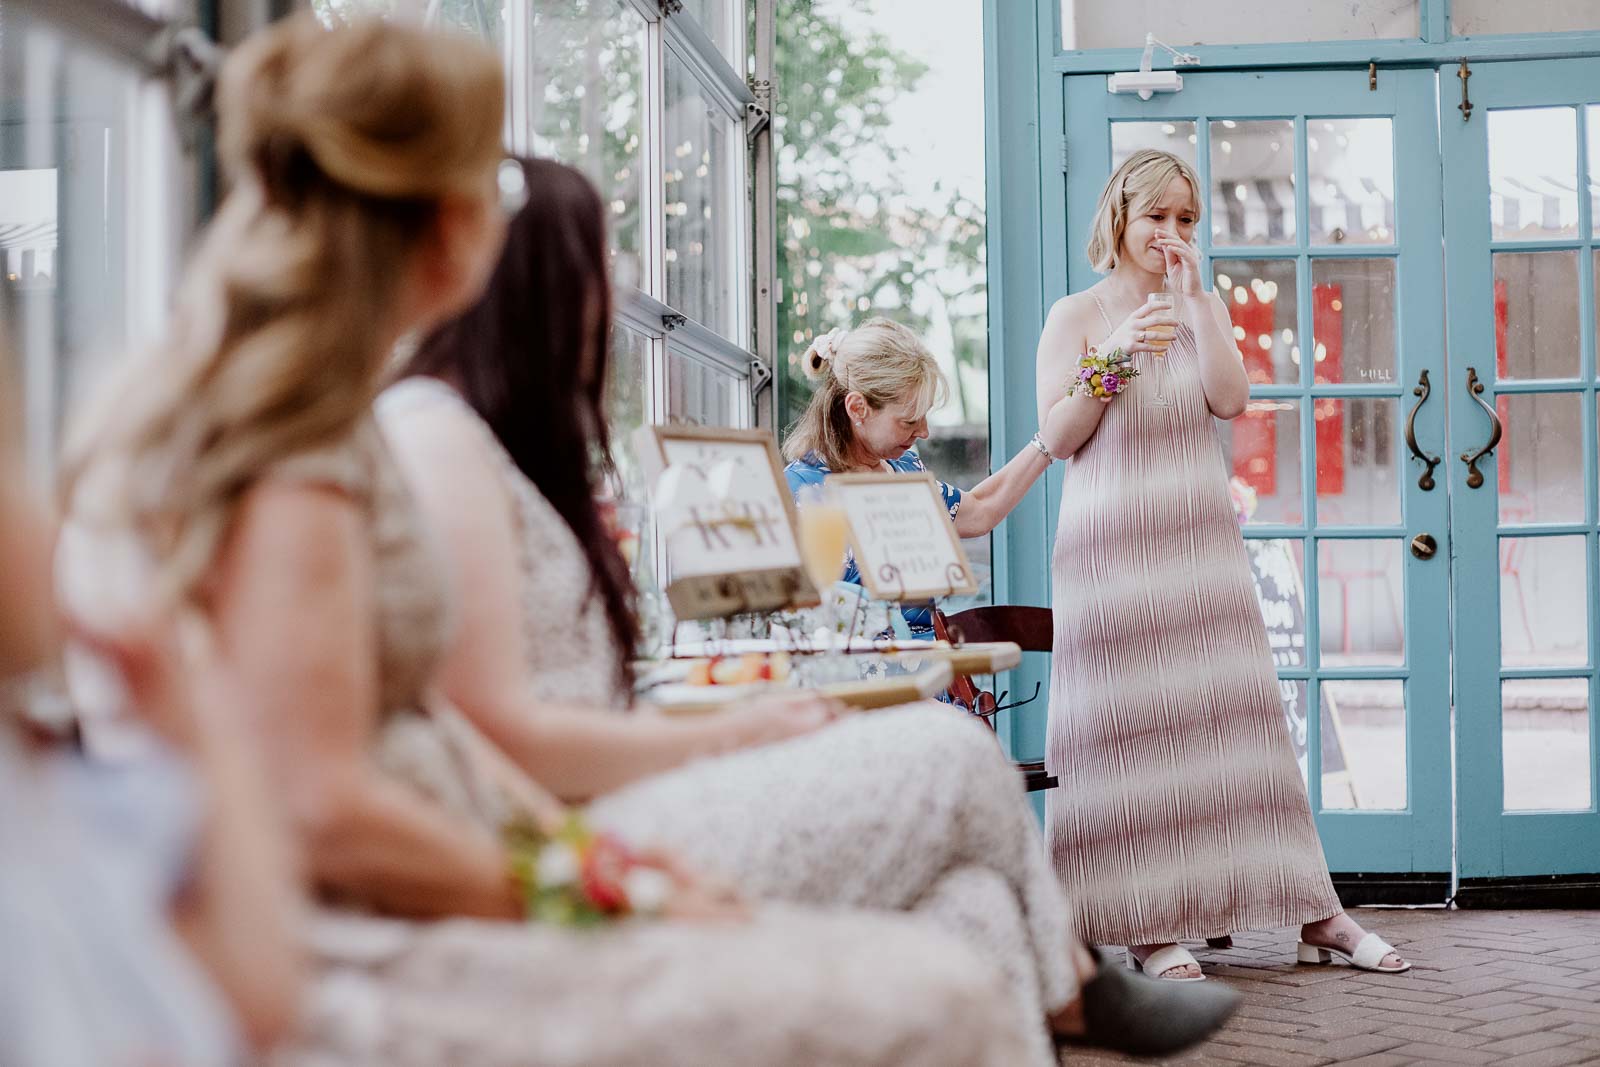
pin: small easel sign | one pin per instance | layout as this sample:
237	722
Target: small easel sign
905	545
724	512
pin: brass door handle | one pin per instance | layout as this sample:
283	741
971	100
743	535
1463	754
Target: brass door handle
1475	390
1425	483
1423	546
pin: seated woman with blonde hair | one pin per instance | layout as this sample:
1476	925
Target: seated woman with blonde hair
912	809
875	385
237	472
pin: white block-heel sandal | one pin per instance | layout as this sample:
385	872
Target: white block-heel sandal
1368	955
1163	960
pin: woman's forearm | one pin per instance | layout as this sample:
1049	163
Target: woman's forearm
384	845
579	754
991	500
1222	374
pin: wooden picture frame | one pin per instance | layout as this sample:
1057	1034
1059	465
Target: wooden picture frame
901	571
730	547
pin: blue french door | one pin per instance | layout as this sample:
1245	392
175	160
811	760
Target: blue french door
1520	214
1322	231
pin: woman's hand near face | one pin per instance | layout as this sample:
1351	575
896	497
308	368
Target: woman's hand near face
1182	261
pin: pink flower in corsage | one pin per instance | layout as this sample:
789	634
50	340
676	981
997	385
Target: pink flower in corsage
1103	375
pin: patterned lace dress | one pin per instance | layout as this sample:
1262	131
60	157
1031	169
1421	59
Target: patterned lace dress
913	809
1181	812
790	988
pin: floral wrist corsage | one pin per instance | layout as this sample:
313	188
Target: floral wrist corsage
1103	375
581	877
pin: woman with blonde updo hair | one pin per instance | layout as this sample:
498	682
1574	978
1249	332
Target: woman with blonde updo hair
875	385
237	474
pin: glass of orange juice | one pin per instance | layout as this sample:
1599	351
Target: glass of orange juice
824	535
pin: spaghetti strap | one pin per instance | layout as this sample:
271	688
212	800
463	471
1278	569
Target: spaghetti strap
1102	309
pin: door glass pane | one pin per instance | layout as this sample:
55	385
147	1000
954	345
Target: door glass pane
1260	297
1263	447
1536	314
700	394
1473	17
700	253
1097	24
581	98
1252	182
1361	601
1539	463
1544	605
1176	137
1350	183
1277	565
1544	744
1533	173
1357	479
1353	320
1363	745
1297	716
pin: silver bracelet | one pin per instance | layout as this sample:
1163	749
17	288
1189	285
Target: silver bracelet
1044	450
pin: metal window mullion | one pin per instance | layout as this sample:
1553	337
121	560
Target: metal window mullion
652	185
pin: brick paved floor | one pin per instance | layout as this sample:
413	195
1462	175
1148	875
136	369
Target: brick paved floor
1509	988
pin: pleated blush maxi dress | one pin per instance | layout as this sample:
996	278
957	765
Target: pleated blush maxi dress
1181	812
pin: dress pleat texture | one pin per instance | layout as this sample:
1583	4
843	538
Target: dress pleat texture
1181	812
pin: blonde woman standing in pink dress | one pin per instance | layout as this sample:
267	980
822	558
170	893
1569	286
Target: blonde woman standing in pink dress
1181	813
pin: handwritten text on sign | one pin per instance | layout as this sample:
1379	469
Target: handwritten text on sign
905	546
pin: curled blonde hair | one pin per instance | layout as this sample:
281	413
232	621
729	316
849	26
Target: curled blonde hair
880	359
341	145
1133	187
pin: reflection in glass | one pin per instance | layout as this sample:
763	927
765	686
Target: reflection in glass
1260	296
1263	452
1536	314
1540	469
1252	182
1361	602
1353	320
1357	461
712	15
1363	745
699	208
1350	181
1544	605
1175	137
1545	745
578	98
700	394
1277	567
1533	173
627	403
1295	693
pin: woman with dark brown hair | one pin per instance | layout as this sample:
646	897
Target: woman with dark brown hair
498	424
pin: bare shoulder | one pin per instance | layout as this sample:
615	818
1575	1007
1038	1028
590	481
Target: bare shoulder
1067	326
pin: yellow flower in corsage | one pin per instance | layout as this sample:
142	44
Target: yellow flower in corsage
1104	375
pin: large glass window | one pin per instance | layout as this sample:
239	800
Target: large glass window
880	151
649	106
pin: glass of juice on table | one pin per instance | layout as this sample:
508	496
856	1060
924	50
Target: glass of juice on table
824	539
1160	337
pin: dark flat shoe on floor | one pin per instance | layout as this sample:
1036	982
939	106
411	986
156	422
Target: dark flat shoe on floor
1142	1016
1223	942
